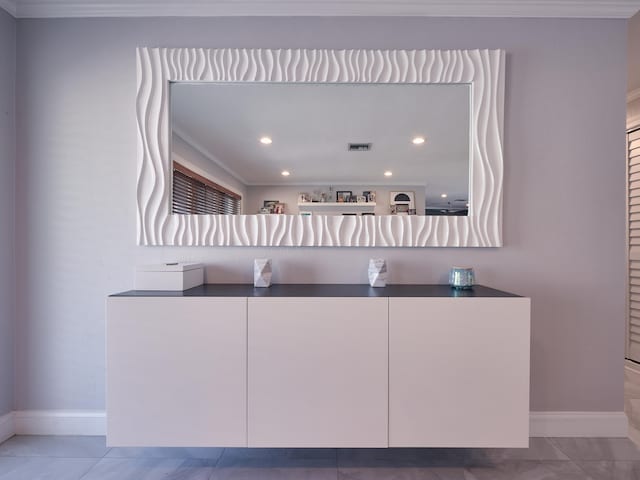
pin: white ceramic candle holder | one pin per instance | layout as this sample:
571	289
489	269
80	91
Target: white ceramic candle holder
377	272
262	272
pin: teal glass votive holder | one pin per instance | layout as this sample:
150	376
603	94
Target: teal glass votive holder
461	277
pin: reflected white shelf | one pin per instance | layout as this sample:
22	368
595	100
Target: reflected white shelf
336	204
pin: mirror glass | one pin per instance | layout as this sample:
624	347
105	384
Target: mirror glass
329	149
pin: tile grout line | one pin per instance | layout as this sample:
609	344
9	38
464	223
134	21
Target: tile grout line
215	467
588	477
553	447
89	457
90	468
107	452
224	450
552	442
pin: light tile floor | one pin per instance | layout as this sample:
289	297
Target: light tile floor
632	399
88	458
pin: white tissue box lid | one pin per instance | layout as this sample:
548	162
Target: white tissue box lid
169	267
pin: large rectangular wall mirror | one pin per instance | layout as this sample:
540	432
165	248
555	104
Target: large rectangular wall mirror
320	147
399	149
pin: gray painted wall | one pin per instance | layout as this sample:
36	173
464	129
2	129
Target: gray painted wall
7	206
633	53
633	76
564	225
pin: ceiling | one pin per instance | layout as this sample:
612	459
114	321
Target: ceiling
205	8
311	126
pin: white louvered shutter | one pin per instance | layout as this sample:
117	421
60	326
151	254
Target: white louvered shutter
633	334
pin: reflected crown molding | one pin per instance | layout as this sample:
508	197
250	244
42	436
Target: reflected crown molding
10	6
222	8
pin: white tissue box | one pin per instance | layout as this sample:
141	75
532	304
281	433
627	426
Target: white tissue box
169	276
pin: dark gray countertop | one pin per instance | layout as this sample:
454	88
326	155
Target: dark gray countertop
320	290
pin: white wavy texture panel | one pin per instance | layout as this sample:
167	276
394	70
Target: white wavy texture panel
483	70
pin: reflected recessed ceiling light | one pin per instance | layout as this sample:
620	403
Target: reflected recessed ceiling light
266	140
418	140
285	173
388	173
444	195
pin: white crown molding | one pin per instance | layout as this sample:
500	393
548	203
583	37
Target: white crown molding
10	7
188	139
230	8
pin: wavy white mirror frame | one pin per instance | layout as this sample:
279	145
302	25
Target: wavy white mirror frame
483	70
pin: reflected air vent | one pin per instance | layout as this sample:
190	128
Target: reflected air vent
359	147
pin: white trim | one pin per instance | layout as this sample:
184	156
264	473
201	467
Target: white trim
578	424
93	422
633	110
7	427
632	366
633	95
10	7
634	435
60	422
432	8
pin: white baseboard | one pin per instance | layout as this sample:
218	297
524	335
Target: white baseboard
60	422
7	427
92	422
578	424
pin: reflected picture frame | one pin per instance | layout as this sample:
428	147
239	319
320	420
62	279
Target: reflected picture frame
343	196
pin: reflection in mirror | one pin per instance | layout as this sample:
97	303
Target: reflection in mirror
330	149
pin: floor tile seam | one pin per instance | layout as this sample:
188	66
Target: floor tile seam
512	461
554	448
342	476
587	476
90	468
52	456
219	458
600	458
146	457
555	444
277	466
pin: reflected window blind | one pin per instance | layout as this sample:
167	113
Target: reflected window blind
194	194
633	155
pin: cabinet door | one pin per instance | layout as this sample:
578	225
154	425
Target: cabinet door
176	371
458	372
318	372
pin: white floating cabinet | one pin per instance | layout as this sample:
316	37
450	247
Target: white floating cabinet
176	371
459	372
318	371
261	368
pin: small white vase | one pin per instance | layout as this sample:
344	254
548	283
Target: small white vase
377	272
262	272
